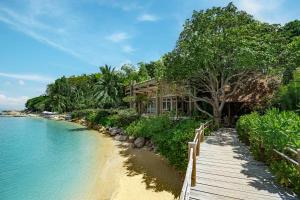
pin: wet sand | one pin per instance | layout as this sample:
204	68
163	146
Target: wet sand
124	173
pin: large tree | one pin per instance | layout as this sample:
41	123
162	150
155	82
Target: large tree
218	50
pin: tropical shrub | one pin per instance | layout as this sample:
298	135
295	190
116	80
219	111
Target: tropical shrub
288	96
273	130
107	117
171	137
121	118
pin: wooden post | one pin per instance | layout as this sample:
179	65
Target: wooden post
202	133
298	157
193	177
198	131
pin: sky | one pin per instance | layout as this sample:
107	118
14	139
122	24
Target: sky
41	40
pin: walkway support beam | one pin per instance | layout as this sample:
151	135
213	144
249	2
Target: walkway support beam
192	145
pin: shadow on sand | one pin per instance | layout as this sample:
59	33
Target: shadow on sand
158	175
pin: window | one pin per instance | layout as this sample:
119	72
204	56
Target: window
167	104
151	107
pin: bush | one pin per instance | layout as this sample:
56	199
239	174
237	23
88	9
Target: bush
288	96
107	117
150	126
273	130
171	137
245	124
122	118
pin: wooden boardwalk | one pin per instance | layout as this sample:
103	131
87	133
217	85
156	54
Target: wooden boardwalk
226	170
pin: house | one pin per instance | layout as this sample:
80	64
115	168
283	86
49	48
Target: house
154	97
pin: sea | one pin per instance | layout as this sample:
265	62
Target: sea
46	160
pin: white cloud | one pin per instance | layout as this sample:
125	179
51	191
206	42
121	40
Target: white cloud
27	25
29	77
12	102
147	17
21	82
118	37
128	49
60	25
266	10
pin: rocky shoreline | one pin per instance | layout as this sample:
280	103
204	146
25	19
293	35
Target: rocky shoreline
119	135
114	132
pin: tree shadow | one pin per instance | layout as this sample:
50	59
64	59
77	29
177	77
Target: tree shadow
157	174
257	172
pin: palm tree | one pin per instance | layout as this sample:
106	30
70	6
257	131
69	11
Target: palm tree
108	87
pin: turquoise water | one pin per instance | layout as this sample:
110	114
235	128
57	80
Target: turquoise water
44	159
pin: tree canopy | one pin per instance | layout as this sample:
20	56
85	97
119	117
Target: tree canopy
218	49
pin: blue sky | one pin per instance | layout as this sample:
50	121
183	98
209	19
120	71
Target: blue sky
41	40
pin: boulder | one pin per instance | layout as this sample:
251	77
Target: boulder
121	137
131	139
147	143
139	142
114	131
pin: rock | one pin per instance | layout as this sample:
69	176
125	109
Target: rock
113	131
150	144
139	142
121	132
121	137
131	139
147	143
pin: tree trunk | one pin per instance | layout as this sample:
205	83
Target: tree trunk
217	116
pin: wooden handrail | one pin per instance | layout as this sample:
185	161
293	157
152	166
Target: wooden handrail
291	160
193	152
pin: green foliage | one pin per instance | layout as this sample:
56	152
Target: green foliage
222	47
38	104
122	118
291	59
149	126
273	130
107	117
288	96
171	137
108	90
245	124
155	69
291	30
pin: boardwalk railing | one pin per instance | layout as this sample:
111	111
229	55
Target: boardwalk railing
291	160
193	152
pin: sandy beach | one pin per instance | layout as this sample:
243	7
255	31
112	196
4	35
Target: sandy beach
124	173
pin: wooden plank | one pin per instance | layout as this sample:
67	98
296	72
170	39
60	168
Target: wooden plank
222	165
226	170
232	193
230	162
196	195
237	173
263	190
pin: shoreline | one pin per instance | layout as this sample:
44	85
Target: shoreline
131	173
126	173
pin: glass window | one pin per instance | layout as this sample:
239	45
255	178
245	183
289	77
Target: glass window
167	104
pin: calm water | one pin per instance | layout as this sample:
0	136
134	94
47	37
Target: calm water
43	159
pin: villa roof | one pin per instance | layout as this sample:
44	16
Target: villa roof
256	89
